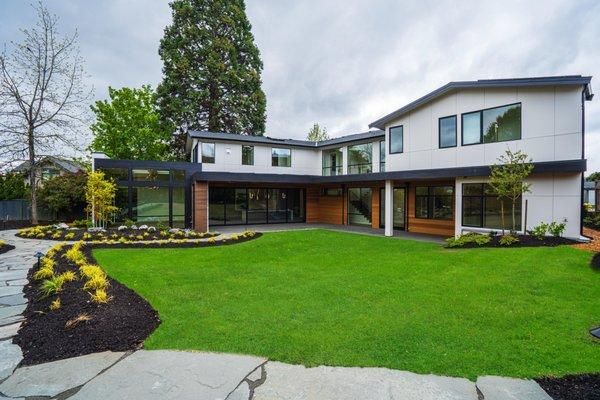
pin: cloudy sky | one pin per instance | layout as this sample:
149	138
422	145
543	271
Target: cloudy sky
344	63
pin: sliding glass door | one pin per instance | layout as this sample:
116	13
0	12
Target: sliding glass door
399	208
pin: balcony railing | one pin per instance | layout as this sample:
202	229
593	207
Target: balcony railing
360	168
332	171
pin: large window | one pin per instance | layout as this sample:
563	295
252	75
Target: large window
281	157
247	155
359	206
151	174
360	158
115	174
208	153
447	128
235	206
396	139
178	207
496	124
150	204
382	156
482	209
332	162
434	202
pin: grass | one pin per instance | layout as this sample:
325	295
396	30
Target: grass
329	298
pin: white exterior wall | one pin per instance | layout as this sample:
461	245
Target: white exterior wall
228	158
551	119
552	197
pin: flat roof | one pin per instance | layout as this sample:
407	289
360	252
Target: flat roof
488	83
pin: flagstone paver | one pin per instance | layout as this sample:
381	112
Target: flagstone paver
11	356
53	378
11	311
13	300
501	388
8	331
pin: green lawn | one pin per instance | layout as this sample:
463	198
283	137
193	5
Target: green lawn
328	298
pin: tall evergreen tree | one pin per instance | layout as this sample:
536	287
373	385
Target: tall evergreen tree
211	73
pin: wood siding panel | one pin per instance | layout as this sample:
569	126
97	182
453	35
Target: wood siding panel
375	208
430	226
200	206
323	209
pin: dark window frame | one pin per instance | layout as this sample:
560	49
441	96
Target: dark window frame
390	136
368	166
382	158
455	131
281	148
250	146
482	197
202	153
480	112
430	197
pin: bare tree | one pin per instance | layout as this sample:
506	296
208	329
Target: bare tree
43	100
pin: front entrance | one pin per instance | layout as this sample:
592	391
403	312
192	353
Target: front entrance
399	208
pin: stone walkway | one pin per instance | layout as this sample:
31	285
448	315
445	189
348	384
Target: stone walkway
167	375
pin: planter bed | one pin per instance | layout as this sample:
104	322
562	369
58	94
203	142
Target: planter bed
583	386
121	324
77	234
6	248
524	241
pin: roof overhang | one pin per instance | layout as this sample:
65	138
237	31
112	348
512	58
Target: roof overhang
576	80
570	166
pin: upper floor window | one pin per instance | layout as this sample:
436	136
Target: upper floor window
247	155
360	158
115	174
151	174
396	139
281	157
382	156
434	202
49	173
492	125
195	154
208	153
332	162
447	128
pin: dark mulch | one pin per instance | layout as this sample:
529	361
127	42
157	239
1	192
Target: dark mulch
114	234
158	245
570	387
119	325
595	263
6	248
524	241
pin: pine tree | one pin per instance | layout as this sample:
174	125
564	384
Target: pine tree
317	134
211	73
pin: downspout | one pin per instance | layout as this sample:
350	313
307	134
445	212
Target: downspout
582	208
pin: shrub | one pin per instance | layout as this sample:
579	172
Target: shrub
68	276
55	305
557	229
212	240
43	273
70	236
539	232
100	296
51	286
89	270
508	240
82	223
2	243
96	281
86	236
74	254
471	237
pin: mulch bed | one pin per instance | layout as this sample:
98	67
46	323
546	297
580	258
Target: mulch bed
6	248
122	324
115	234
569	387
524	241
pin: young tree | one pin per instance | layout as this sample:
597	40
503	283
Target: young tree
593	177
128	126
64	195
41	95
507	180
317	134
100	197
211	71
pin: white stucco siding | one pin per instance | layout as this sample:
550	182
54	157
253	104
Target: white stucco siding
552	197
551	123
228	158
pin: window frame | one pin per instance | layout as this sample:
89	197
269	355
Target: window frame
250	146
483	196
368	166
390	136
202	152
480	112
455	131
281	148
431	201
382	155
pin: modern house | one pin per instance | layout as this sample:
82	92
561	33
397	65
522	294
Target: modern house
48	167
422	168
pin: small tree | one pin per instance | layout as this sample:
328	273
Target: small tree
507	180
317	134
12	186
100	196
593	177
64	195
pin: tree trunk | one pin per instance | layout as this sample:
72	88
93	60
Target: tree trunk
502	215
32	176
513	216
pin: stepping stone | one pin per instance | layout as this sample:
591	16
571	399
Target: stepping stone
9	290
9	331
165	375
11	357
11	275
500	388
11	311
53	378
328	383
242	392
13	300
11	320
18	282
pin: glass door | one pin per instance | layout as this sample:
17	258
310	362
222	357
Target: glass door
399	208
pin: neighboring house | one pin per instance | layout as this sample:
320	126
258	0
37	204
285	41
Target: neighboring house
424	169
590	192
48	167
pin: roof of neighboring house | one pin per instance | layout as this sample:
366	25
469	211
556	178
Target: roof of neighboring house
66	165
285	142
488	83
589	185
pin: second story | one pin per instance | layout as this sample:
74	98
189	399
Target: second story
461	124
